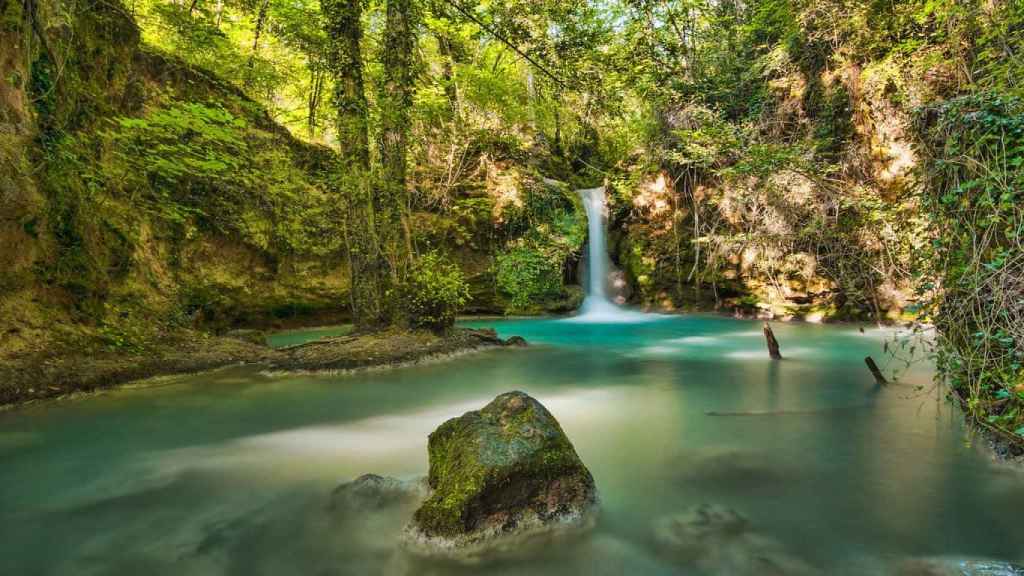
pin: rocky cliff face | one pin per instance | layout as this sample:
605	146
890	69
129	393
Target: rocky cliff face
21	203
812	213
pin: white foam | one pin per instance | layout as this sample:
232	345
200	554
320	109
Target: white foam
696	340
311	449
598	308
598	311
658	350
376	444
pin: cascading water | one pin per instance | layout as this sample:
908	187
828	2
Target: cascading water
598	307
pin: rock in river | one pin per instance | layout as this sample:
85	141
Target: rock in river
718	540
500	475
370	492
950	566
517	342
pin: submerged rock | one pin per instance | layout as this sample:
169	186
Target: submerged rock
719	541
599	554
500	475
735	468
943	566
516	341
371	492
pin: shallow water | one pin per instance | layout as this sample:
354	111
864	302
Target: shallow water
231	473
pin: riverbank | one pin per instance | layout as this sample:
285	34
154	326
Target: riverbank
84	367
382	350
55	373
29	378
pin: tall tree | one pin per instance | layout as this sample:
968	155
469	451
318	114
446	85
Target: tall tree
261	20
342	22
395	99
447	50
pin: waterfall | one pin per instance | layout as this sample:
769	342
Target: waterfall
598	307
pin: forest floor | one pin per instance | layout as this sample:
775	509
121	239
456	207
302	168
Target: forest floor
46	375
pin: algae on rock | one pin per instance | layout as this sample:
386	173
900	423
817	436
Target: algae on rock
504	472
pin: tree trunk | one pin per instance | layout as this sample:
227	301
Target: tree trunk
316	88
261	19
451	90
395	99
345	63
558	127
446	49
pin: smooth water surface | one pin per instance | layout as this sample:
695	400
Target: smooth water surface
231	473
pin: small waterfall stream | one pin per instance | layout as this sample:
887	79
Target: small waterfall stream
598	306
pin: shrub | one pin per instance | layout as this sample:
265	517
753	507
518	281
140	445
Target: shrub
972	275
527	274
434	292
529	269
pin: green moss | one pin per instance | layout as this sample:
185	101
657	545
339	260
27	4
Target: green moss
149	174
496	460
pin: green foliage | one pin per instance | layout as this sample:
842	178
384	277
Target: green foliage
124	328
95	245
541	203
284	70
549	227
434	292
527	273
975	147
530	269
193	164
183	148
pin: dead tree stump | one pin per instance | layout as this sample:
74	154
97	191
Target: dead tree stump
876	372
773	344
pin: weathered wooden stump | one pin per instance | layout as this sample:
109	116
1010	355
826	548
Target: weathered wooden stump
773	344
876	372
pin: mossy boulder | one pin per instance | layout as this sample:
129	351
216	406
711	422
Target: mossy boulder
500	475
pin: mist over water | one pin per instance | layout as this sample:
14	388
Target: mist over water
231	473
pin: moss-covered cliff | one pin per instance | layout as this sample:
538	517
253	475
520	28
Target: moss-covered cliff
142	196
